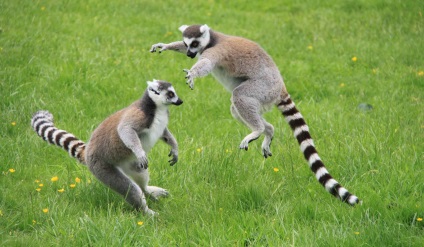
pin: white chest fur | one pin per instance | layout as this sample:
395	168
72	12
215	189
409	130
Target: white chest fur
150	136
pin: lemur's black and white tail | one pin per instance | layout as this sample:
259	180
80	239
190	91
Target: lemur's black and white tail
42	123
301	132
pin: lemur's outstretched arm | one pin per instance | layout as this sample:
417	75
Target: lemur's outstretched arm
177	46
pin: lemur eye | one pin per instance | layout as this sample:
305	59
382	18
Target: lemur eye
170	95
195	44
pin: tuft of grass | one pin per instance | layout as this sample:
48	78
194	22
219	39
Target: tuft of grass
83	60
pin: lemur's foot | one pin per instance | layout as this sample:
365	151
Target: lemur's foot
244	145
266	152
155	192
150	213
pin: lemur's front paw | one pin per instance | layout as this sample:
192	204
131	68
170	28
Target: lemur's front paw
160	46
189	77
142	161
174	158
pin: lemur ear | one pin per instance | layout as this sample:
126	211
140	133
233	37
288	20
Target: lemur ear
153	85
204	28
182	28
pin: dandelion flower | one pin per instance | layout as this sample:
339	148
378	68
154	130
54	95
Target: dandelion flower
78	180
37	181
38	189
342	85
61	190
354	59
11	170
199	150
140	223
420	73
72	185
55	178
41	185
419	219
45	210
276	169
13	123
356	233
310	47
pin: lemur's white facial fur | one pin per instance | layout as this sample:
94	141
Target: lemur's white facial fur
163	93
196	38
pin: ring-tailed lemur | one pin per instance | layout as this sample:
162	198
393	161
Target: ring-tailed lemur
116	151
247	71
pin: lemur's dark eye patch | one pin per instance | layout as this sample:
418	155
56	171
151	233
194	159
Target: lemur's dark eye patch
170	95
195	44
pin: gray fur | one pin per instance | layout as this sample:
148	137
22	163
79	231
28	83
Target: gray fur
116	153
256	84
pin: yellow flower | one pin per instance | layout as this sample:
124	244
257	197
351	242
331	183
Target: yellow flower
342	85
356	233
199	150
310	47
420	73
43	8
77	180
276	169
11	170
55	178
45	210
140	223
72	185
37	181
13	123
420	219
354	59
38	189
41	185
61	190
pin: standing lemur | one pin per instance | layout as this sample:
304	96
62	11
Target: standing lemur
117	151
247	71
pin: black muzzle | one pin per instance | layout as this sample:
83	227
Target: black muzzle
191	54
179	102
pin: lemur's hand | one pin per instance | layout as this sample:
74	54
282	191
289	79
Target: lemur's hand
142	160
174	159
160	46
189	77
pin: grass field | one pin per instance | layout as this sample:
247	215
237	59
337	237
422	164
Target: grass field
83	60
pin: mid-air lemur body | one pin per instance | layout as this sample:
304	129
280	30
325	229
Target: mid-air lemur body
256	84
117	151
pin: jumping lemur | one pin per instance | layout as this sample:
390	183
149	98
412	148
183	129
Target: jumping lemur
117	151
247	71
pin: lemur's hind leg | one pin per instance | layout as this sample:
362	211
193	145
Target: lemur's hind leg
141	177
111	176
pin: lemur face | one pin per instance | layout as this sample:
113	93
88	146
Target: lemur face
163	93
195	38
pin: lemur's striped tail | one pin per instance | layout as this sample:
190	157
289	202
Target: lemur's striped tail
301	132
42	123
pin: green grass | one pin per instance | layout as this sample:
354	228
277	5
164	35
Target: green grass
83	60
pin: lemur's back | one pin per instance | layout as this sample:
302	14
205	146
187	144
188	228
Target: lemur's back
239	59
